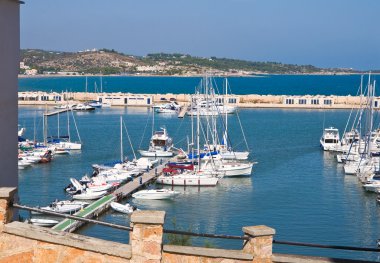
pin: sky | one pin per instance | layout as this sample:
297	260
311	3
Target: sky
323	33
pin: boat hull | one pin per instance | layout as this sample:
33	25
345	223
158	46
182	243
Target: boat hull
187	181
156	153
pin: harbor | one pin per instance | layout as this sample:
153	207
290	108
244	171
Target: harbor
278	180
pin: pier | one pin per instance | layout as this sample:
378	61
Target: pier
56	112
183	111
100	206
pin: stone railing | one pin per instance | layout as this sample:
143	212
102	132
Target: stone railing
22	242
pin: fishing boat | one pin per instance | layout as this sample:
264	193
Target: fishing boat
126	209
330	139
160	145
65	206
43	222
155	194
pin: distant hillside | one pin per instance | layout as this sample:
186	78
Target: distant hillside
107	61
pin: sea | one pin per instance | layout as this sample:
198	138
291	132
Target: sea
295	187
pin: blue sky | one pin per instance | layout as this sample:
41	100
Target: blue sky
325	33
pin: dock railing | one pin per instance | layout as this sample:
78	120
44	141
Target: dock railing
257	240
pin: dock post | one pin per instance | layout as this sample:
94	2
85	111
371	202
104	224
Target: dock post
146	237
260	243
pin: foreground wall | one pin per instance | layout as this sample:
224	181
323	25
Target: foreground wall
22	242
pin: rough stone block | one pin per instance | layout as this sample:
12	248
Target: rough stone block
148	217
256	231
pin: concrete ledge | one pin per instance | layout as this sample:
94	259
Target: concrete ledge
6	192
208	252
69	239
285	258
148	217
257	231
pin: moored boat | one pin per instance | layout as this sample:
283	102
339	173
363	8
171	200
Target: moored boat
155	194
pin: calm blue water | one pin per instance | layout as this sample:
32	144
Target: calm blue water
272	84
295	187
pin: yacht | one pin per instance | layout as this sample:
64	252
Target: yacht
330	139
160	145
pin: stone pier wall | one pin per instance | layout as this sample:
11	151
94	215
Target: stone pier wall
22	242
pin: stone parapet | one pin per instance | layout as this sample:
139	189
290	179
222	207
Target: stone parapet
173	254
6	198
260	243
146	237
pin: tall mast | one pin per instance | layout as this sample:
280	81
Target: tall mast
101	84
225	110
58	125
121	139
86	85
198	144
152	121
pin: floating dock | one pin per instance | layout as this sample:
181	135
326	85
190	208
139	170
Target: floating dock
55	112
101	205
183	111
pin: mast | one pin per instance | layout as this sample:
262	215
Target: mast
152	121
58	124
86	85
101	84
121	139
68	124
198	144
225	110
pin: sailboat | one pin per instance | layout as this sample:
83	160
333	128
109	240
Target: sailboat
64	142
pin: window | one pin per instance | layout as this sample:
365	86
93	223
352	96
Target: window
289	101
302	101
327	102
315	101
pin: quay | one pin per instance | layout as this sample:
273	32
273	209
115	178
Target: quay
41	98
100	206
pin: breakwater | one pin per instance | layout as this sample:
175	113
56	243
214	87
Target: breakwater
243	101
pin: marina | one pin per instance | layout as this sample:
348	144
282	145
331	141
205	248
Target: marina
271	195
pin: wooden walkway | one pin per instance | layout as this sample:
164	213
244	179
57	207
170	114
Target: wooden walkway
55	112
101	205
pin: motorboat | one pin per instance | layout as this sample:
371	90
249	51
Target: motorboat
155	194
43	222
172	107
83	107
160	145
330	139
89	195
66	206
372	186
95	104
126	209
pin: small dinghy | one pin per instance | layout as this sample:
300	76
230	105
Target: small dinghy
155	194
89	195
126	209
43	222
66	206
